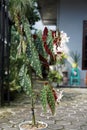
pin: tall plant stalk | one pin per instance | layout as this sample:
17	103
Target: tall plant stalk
33	114
32	100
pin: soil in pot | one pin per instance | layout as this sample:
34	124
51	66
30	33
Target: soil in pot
28	126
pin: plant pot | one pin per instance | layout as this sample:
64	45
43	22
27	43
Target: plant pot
26	125
54	84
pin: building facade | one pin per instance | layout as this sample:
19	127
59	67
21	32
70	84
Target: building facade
70	17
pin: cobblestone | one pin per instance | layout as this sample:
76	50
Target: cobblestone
71	113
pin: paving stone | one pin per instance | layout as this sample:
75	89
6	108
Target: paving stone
84	127
55	127
71	113
71	127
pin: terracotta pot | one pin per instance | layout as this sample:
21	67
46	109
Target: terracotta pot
25	126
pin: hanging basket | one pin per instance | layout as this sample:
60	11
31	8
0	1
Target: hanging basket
27	125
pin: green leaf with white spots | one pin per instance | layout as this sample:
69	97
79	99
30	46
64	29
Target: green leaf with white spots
25	80
32	52
44	97
39	44
50	41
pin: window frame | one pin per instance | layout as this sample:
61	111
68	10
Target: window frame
84	46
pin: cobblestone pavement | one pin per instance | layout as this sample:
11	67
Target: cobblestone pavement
71	113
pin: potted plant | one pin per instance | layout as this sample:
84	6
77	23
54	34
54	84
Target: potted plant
55	77
30	56
75	73
31	59
76	58
32	52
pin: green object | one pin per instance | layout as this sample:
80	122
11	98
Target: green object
76	58
74	76
47	98
55	76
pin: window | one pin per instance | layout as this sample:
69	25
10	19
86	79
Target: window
84	46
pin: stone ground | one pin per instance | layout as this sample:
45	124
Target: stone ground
71	113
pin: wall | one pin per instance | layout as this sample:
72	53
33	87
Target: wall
71	16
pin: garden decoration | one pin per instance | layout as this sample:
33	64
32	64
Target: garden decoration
75	76
75	73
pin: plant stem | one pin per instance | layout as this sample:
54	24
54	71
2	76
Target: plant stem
33	113
32	102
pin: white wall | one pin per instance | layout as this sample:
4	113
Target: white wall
72	14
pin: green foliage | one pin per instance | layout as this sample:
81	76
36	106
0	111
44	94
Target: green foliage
19	6
75	56
34	59
38	42
61	59
47	98
25	8
54	76
25	54
33	15
25	80
32	52
15	63
50	40
51	100
44	97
